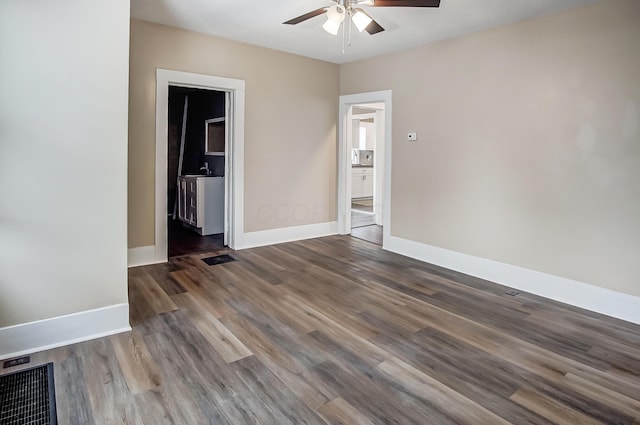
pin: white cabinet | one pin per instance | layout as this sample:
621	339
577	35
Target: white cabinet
201	203
356	186
361	182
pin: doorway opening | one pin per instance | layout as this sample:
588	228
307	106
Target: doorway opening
208	176
196	142
364	138
365	128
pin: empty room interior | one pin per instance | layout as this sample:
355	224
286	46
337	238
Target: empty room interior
320	212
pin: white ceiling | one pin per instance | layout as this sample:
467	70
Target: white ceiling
260	22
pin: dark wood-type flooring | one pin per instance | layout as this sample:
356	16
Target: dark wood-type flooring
337	331
184	241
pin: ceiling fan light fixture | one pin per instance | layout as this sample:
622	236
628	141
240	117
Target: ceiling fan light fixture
332	27
336	13
361	20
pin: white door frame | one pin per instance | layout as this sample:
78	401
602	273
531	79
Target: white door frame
378	116
344	158
234	163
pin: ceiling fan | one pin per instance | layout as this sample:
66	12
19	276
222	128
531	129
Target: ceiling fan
337	13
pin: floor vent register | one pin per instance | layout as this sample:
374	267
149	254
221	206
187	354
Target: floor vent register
27	397
218	259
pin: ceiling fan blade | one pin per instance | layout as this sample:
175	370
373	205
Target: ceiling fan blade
306	16
406	3
373	27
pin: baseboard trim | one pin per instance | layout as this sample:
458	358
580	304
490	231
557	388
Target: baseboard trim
286	234
27	338
578	294
142	256
145	255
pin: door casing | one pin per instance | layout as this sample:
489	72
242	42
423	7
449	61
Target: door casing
344	158
234	164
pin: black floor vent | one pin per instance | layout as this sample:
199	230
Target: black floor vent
28	397
218	259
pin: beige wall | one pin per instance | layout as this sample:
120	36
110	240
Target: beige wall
529	143
290	126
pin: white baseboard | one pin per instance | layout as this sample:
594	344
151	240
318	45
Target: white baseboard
142	256
57	331
145	255
579	294
286	234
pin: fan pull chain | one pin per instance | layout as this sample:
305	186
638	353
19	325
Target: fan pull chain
349	43
343	37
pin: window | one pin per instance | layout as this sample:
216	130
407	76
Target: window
363	138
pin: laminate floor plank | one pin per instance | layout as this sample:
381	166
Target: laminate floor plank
246	284
603	350
138	367
190	396
416	400
336	330
271	396
339	412
219	337
450	359
513	322
624	404
154	294
212	293
335	352
187	348
413	289
276	256
350	339
434	393
487	380
110	398
346	317
580	401
72	395
258	265
440	284
161	274
332	263
291	371
158	407
552	409
379	405
139	308
588	328
334	290
283	335
529	356
194	372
